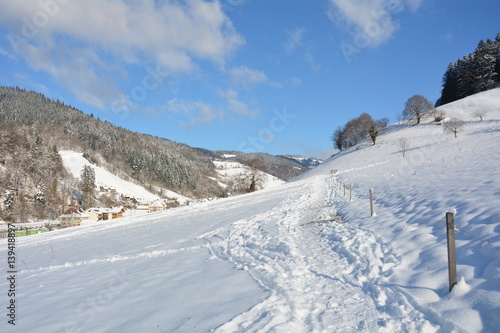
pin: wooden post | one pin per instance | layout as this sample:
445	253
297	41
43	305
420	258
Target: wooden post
371	202
350	192
344	190
452	258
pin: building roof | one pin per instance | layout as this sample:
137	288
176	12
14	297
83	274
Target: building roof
100	210
74	212
158	203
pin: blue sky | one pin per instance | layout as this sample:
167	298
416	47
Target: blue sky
275	76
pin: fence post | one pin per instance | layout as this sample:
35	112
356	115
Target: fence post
344	190
452	258
371	202
350	192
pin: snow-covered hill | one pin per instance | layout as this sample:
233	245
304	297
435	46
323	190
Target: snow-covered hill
309	162
296	258
236	175
74	162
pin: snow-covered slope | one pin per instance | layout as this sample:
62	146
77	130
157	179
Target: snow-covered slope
309	162
280	260
74	162
232	173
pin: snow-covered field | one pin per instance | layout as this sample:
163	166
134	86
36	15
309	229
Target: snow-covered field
233	172
280	260
74	162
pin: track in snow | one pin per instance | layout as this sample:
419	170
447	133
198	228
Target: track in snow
321	275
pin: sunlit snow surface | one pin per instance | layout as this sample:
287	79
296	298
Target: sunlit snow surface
74	162
279	260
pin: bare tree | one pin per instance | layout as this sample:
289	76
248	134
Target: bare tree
480	113
417	106
357	130
257	176
377	127
454	125
338	138
399	118
373	131
438	115
403	145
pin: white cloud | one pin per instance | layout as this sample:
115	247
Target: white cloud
199	112
236	106
295	39
311	61
77	73
248	78
375	19
7	54
448	36
295	81
196	112
414	4
296	42
170	34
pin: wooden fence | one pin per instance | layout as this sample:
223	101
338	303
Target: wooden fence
450	230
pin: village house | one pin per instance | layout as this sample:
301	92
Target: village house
143	205
157	205
103	214
99	214
129	202
117	212
73	217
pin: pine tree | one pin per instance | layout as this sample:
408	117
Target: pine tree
466	75
497	60
87	185
39	196
450	85
10	198
476	72
484	66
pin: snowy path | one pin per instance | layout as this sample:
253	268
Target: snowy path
321	275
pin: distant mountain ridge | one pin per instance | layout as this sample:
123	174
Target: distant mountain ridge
309	162
277	166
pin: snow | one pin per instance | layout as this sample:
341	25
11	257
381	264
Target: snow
74	162
300	257
230	171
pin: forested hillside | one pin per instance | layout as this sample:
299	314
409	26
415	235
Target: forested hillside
34	128
476	72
